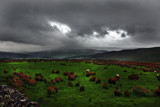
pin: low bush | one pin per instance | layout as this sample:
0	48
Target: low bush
141	91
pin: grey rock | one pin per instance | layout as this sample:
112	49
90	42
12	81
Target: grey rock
13	98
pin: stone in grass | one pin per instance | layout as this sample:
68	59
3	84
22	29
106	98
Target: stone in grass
13	98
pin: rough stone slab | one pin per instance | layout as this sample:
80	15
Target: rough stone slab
13	98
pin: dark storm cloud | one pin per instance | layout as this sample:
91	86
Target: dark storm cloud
25	21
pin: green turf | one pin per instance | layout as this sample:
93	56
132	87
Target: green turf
94	95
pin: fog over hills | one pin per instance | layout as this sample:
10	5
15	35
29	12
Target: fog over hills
93	29
141	54
56	54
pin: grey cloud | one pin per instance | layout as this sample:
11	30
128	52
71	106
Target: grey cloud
123	35
26	21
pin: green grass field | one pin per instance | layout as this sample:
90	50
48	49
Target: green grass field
94	95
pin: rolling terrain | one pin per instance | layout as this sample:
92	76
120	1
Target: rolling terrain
56	54
140	55
34	79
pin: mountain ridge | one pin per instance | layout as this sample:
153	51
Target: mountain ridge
141	54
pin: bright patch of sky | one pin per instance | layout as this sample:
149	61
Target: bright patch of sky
113	37
65	29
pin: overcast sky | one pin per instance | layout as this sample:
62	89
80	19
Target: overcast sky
36	25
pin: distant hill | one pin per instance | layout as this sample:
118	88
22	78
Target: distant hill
142	55
10	55
57	54
64	53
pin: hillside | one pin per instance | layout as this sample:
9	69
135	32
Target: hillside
142	54
56	54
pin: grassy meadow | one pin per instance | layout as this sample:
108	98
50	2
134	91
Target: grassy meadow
94	94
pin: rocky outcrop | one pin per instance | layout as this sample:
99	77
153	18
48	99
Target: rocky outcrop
13	98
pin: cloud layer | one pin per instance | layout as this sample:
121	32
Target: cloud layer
26	22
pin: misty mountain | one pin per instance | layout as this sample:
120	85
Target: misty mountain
57	54
141	55
63	53
10	55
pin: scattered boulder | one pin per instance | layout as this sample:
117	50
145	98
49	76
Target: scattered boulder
13	98
117	76
87	70
158	77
